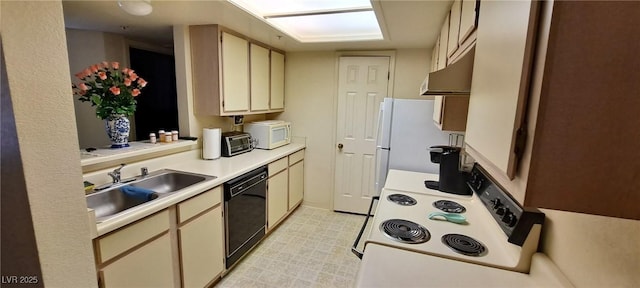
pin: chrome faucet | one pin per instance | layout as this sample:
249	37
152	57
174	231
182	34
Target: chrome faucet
144	171
115	174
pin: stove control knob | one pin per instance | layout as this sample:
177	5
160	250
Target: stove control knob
496	203
479	184
503	211
511	219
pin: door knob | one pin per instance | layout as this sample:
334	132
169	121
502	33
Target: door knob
340	146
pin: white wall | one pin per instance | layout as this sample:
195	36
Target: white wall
593	251
412	66
87	48
311	91
33	39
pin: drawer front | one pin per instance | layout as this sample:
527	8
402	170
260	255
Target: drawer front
296	157
198	204
277	166
124	239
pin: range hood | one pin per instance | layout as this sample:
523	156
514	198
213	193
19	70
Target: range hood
454	79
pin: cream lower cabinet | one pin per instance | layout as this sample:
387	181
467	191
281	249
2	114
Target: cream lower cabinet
138	255
200	237
201	249
285	187
296	178
277	192
148	266
181	246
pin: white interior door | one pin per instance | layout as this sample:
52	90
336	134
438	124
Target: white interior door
362	86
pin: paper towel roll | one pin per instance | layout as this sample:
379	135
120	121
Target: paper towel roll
211	143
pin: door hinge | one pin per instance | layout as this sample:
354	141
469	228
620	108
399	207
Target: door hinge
521	142
388	75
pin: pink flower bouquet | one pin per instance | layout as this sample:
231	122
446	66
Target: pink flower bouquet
111	90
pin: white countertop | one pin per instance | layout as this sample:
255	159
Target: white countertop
104	154
384	266
223	168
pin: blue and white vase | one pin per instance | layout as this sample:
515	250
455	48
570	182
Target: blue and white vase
118	127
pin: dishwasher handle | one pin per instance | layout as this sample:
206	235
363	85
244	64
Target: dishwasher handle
354	250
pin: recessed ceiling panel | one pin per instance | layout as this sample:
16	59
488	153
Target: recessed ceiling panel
318	21
353	26
277	7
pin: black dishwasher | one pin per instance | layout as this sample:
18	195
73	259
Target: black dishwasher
245	212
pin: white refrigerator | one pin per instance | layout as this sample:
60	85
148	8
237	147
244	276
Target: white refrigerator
405	133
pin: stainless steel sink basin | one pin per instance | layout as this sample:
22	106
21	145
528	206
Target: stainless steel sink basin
112	201
169	182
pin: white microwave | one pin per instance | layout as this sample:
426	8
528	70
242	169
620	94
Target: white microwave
269	134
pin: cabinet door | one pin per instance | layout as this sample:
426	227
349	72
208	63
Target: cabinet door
437	109
296	183
496	106
201	249
444	39
148	266
259	78
235	74
467	19
277	195
453	113
434	56
277	81
454	27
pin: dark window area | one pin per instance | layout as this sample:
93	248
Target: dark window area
158	104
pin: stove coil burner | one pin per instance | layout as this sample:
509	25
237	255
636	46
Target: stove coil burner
449	206
405	231
464	245
402	199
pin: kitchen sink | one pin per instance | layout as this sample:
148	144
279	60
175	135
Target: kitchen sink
112	201
169	182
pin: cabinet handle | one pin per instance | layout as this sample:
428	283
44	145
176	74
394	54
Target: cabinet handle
340	146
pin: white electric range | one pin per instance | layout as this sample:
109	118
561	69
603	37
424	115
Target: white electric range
496	231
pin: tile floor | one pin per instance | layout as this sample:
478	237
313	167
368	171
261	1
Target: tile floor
311	248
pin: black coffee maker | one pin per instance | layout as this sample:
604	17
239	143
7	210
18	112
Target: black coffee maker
452	180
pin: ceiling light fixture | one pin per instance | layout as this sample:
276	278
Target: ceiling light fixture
136	7
317	21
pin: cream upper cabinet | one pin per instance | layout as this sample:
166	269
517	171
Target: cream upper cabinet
434	56
500	80
467	20
444	39
235	74
232	75
454	27
450	112
277	81
259	78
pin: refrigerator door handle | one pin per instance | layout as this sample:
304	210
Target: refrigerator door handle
382	165
379	135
